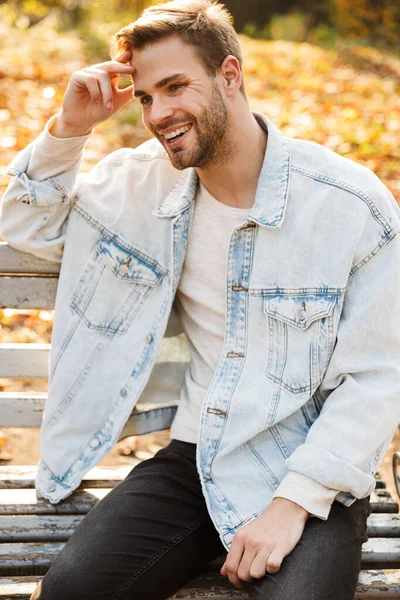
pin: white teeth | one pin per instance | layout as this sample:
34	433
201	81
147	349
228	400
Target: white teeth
173	134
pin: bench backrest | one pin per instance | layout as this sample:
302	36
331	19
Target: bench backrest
26	282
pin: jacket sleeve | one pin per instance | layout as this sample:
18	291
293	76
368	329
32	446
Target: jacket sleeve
347	442
36	205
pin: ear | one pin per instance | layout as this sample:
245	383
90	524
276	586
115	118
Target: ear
231	74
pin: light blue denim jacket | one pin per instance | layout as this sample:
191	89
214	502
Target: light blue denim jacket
308	380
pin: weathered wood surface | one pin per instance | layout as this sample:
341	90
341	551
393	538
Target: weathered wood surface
381	501
59	527
372	585
37	528
24	360
35	558
14	261
384	525
17	477
28	292
21	409
381	553
26	502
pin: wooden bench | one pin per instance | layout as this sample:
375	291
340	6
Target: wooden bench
33	531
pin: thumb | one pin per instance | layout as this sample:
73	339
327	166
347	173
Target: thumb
123	97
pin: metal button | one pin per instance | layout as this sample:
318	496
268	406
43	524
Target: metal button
52	487
123	392
302	315
123	269
149	338
95	442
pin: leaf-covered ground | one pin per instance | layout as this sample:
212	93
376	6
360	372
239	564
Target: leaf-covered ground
345	98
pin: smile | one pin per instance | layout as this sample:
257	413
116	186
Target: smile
177	133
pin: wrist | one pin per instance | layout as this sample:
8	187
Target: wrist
61	129
300	510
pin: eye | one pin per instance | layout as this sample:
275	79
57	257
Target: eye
145	100
175	87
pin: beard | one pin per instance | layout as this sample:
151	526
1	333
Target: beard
211	127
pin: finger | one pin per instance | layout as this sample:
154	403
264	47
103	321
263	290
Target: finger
233	559
91	84
124	57
115	67
122	97
259	565
243	571
274	562
104	83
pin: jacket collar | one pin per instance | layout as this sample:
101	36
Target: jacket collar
272	189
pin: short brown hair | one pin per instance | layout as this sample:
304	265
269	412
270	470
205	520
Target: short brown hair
204	24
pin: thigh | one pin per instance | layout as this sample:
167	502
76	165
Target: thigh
144	540
326	561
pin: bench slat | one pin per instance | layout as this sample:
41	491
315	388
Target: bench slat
33	558
381	553
24	360
384	525
18	588
24	558
19	409
382	502
28	292
16	477
38	528
25	502
50	528
15	261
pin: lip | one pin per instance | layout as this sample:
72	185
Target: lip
164	131
177	142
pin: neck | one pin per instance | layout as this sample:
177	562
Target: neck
234	182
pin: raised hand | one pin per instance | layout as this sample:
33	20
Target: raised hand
93	96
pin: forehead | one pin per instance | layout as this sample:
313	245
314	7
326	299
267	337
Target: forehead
160	59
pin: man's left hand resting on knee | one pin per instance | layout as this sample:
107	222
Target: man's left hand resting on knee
261	546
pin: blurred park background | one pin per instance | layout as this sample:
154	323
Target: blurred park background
323	70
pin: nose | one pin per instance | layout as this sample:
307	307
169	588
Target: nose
160	110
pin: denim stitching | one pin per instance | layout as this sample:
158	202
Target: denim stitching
384	242
266	471
178	538
353	190
107	233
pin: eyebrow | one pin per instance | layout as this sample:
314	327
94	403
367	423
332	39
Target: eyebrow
162	83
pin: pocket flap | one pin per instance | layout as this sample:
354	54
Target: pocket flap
130	265
299	311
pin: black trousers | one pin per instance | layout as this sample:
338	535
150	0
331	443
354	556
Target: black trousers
152	533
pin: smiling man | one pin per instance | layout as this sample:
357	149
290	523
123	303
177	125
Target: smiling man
278	259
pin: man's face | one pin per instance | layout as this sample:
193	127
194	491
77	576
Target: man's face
183	106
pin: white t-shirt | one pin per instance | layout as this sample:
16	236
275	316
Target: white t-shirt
201	299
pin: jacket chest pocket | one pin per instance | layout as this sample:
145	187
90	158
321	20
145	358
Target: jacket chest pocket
113	287
301	339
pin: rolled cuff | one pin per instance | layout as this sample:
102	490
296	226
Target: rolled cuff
311	495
